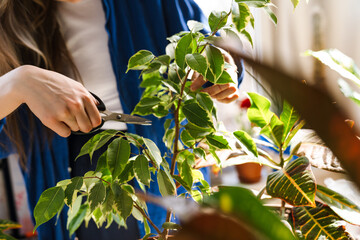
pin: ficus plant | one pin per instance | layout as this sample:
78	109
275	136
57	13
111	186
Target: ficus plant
105	195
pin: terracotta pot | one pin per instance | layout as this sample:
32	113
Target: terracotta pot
249	172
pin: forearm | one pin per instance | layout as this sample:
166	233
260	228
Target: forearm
9	96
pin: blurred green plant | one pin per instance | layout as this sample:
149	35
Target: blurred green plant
6	225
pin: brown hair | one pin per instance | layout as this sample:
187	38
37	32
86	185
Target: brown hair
30	34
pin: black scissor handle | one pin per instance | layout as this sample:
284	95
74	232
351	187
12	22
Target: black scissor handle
101	107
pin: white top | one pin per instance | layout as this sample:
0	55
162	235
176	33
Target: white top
83	27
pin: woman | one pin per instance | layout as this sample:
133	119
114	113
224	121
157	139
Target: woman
33	56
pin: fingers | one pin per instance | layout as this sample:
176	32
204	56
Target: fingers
197	81
92	112
60	128
225	93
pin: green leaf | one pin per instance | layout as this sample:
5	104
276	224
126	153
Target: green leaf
166	184
246	142
163	60
294	184
292	133
199	152
187	139
149	101
128	173
215	156
76	221
197	62
241	16
319	222
140	60
259	112
118	154
182	182
7	224
102	162
218	142
254	3
295	2
271	14
90	178
224	78
216	62
50	202
123	201
185	173
242	204
247	35
274	130
96	142
72	188
217	20
168	138
183	47
339	62
97	195
289	117
348	91
197	115
153	151
205	101
151	79
141	170
152	67
171	225
195	26
197	132
341	205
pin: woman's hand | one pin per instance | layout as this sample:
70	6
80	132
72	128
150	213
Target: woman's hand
60	103
224	93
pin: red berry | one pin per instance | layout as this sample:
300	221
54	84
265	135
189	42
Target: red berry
245	103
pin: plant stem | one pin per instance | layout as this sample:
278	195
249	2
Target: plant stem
97	178
282	209
282	162
147	218
261	193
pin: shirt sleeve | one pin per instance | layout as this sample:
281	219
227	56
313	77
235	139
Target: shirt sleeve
2	123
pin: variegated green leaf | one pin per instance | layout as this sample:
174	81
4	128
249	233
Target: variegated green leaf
7	224
319	222
339	62
294	184
259	112
289	117
246	142
341	205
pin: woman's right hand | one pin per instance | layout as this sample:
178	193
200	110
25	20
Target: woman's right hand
60	103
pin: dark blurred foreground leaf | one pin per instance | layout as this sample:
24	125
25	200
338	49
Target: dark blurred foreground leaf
245	207
317	108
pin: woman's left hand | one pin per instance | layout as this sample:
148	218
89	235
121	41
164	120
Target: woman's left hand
224	93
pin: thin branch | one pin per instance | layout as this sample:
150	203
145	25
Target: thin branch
147	218
97	178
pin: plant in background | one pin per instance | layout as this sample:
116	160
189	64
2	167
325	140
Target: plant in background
6	225
293	181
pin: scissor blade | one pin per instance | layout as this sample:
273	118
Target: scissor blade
126	118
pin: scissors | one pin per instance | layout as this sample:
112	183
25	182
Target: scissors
107	115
